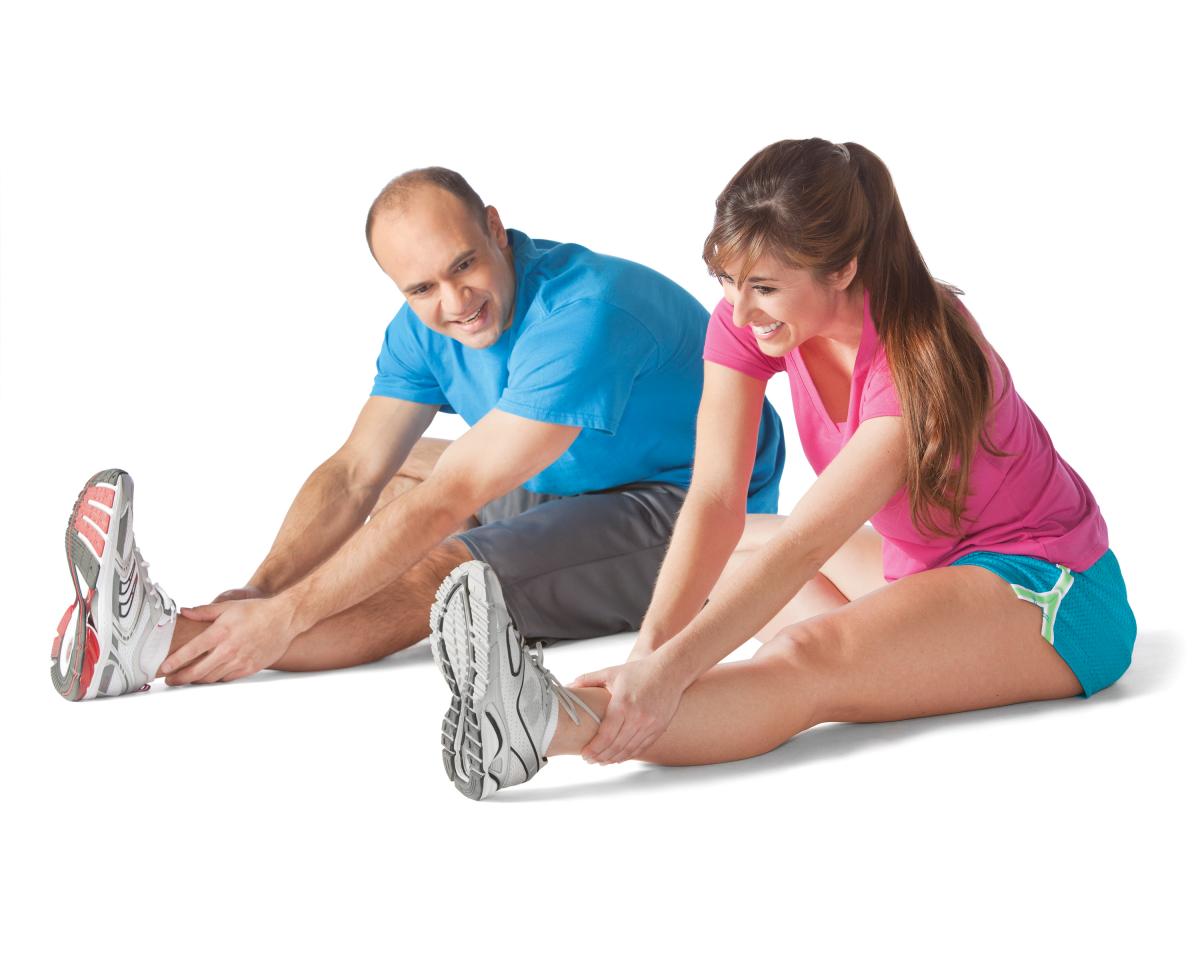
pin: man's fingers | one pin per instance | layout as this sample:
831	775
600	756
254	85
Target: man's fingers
204	612
197	646
198	671
604	736
223	662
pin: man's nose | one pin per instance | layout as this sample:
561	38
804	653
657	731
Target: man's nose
455	299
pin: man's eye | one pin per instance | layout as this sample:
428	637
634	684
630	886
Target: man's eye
420	291
465	265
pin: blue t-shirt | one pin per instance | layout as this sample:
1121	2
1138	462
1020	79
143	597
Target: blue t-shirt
595	342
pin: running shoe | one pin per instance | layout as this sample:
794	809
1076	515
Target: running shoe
503	701
117	631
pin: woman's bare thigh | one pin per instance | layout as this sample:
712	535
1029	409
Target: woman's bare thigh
941	641
855	569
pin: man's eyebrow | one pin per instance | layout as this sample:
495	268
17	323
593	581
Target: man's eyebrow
414	287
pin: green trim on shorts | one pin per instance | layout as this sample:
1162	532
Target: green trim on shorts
1086	615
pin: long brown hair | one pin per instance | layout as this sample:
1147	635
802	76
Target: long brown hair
818	205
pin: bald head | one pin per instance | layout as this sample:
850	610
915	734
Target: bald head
398	193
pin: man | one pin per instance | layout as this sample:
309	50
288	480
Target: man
580	376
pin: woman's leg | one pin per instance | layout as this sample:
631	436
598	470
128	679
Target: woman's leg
943	641
853	571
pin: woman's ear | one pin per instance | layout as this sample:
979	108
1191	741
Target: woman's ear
841	279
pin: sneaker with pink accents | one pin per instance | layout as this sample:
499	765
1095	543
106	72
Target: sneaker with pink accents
117	632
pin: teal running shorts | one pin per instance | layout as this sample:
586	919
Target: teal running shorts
1085	614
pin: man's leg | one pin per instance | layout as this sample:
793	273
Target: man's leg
855	569
413	472
580	566
395	617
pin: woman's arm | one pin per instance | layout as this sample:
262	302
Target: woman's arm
862	478
714	511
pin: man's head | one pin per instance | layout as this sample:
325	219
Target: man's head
447	252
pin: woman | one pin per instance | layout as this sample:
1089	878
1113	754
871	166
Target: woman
984	579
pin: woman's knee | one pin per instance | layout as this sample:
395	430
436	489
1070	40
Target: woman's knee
816	645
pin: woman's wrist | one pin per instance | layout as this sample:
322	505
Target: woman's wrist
650	638
671	663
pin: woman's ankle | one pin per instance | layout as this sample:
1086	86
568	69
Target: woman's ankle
569	737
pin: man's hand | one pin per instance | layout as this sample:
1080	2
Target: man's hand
644	699
244	636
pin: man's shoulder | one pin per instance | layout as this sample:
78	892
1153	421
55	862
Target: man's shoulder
573	276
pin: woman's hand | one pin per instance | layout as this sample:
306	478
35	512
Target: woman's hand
645	697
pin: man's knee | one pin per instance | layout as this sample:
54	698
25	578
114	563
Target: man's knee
396	487
423	457
436	565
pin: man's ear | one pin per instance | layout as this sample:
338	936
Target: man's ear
494	227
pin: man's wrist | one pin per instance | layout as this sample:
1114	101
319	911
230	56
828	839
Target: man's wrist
290	603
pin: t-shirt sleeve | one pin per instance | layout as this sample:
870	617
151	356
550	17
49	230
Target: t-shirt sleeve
577	366
402	371
735	348
879	397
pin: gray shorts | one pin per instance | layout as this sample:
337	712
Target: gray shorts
580	566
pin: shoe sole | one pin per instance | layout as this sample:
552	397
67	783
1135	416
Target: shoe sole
81	679
439	614
461	649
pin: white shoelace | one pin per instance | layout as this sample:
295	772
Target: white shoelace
167	603
567	697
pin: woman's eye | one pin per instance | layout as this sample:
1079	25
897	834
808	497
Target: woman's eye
765	291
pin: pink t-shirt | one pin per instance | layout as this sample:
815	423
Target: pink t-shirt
1029	503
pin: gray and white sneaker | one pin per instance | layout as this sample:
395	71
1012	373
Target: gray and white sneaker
117	631
503	702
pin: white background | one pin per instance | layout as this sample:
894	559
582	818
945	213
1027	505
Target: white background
186	293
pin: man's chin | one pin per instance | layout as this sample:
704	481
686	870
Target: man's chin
477	341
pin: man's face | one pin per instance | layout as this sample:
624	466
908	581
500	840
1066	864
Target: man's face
455	272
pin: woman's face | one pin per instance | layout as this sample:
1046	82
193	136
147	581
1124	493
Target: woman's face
784	305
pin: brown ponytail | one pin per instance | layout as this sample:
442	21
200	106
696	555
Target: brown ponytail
817	205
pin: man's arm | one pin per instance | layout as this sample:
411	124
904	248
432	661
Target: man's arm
500	452
338	495
496	455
